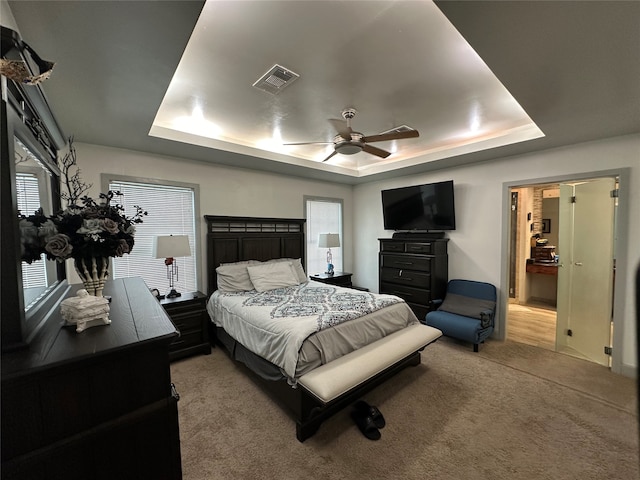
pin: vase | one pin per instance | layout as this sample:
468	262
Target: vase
93	272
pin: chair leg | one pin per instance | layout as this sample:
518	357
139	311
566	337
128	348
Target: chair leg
475	347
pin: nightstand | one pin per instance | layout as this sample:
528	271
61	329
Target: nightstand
341	279
189	315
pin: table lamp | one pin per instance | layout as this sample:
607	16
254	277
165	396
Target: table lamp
169	247
329	240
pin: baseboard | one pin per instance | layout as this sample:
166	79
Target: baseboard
630	371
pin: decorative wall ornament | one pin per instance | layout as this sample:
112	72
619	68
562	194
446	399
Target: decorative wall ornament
18	71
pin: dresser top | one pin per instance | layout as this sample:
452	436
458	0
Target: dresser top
137	319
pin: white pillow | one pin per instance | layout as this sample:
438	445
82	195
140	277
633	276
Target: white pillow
297	267
269	276
234	277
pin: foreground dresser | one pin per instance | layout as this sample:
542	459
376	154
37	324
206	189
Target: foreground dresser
414	268
97	404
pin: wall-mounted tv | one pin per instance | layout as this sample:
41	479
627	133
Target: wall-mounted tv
428	207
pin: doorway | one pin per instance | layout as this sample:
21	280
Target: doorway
551	292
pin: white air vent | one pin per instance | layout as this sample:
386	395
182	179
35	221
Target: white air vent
276	79
401	128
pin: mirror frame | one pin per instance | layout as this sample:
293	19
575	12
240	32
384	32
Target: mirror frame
25	114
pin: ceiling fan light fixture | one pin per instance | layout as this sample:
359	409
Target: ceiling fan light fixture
348	148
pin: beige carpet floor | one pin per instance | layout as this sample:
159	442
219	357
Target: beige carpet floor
510	411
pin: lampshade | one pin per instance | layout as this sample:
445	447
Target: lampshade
171	246
328	240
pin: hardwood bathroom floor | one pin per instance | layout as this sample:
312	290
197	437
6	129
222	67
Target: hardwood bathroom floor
532	325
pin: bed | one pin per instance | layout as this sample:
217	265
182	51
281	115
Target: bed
316	348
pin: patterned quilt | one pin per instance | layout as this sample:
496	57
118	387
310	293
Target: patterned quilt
274	324
327	304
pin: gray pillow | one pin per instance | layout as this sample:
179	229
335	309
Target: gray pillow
297	266
234	277
269	276
467	306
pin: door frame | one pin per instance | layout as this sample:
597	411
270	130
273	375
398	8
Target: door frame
621	247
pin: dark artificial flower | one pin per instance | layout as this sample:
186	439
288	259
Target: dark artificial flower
80	231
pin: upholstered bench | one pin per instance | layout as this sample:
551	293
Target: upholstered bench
330	381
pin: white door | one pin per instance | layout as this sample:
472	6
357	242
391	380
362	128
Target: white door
564	251
585	283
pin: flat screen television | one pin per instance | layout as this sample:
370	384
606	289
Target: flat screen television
428	207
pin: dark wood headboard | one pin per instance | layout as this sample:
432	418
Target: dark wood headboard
233	239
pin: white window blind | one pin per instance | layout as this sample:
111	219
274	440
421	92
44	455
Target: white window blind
28	196
323	216
171	211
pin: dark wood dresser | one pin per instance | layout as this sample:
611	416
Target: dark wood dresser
97	404
415	269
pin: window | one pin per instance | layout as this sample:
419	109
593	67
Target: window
171	211
324	215
28	196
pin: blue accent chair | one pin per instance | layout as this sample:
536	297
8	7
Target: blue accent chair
467	311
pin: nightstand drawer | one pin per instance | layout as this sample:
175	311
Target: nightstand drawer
186	340
187	321
344	281
188	307
341	279
189	315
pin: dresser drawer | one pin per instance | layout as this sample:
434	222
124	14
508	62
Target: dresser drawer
424	248
409	262
392	247
420	311
410	294
406	277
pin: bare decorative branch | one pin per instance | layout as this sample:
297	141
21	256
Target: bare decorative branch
71	179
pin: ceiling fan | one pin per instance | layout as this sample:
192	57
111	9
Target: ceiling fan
349	142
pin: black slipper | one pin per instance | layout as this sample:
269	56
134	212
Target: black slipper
366	425
367	410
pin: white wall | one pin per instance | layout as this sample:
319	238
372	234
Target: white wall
478	247
223	190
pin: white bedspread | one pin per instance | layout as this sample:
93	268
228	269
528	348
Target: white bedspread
275	324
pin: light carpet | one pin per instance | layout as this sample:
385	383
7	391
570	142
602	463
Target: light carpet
508	412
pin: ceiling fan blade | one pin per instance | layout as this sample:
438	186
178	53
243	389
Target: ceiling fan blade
376	151
341	127
308	143
332	154
383	137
